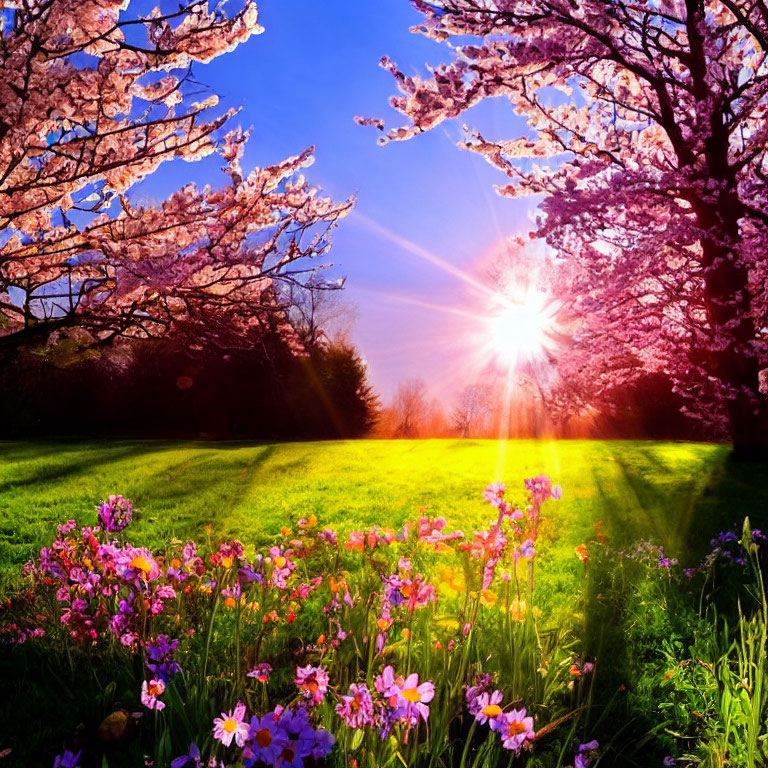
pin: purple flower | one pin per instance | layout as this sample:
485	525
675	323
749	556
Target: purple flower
115	514
67	760
488	708
584	754
300	738
160	657
246	575
414	697
190	760
265	740
261	672
482	681
515	729
323	745
527	549
356	709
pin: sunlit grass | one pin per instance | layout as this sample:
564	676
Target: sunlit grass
675	494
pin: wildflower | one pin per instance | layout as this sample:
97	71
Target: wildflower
160	657
323	745
515	729
584	754
150	692
136	565
300	738
115	514
494	494
231	726
356	709
283	566
67	760
312	682
482	681
581	553
527	549
488	598
261	672
414	697
517	609
265	740
190	760
246	575
488	708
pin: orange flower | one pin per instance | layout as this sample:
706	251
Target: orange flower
581	553
488	598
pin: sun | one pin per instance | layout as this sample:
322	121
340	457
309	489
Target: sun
521	332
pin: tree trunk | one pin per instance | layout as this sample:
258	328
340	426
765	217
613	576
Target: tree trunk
728	308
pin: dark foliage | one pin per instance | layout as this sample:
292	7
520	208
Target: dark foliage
172	388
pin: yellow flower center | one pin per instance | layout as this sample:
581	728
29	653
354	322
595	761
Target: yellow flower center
226	561
229	725
515	727
140	563
411	694
492	710
280	561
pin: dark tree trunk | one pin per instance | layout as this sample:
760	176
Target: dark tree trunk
727	303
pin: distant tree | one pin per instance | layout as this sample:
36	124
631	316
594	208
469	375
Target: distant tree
409	407
92	101
472	409
657	187
332	396
165	388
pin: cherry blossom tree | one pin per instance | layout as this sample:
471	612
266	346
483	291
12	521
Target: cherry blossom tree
645	134
94	100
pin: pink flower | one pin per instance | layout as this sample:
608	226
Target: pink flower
150	692
494	494
231	726
414	697
312	682
356	709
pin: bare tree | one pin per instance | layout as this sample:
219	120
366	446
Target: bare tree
410	408
470	415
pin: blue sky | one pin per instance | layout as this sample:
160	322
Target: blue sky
301	83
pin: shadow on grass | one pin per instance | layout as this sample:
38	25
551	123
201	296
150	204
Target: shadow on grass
631	613
56	466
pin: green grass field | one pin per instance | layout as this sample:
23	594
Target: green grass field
675	494
678	494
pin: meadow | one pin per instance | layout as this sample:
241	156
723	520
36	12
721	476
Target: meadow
677	494
605	594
